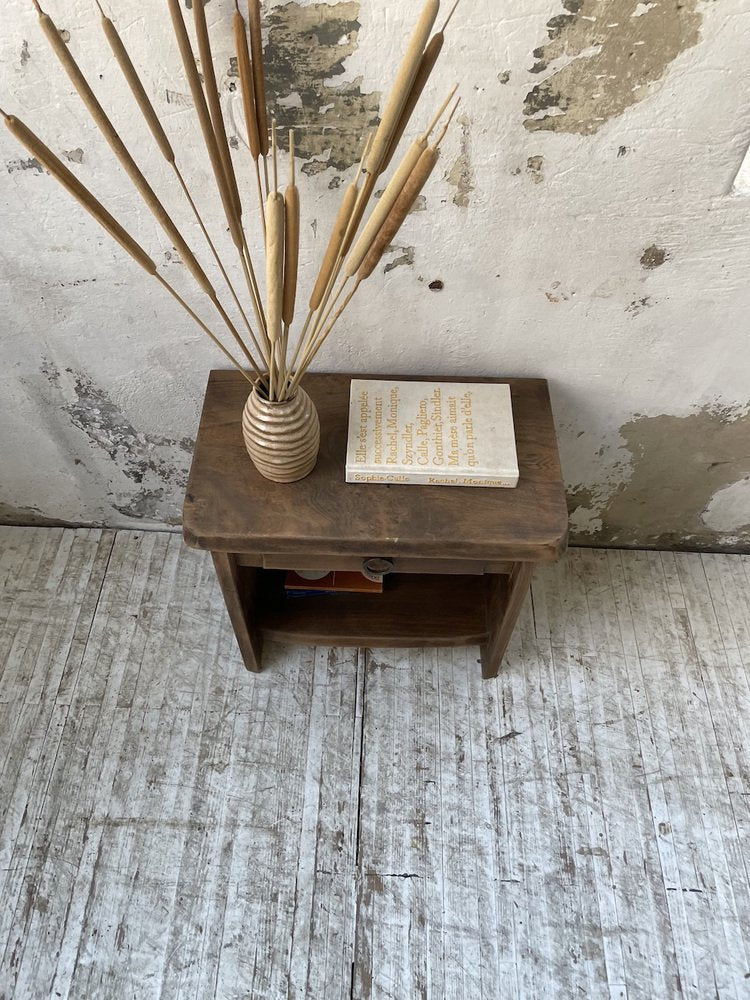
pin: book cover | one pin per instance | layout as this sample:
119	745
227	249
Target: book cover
431	433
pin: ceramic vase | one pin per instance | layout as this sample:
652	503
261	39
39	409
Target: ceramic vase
282	439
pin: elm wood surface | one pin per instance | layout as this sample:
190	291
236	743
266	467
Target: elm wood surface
447	544
505	597
239	587
231	508
413	610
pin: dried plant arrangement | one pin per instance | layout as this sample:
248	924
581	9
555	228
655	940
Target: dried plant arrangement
261	341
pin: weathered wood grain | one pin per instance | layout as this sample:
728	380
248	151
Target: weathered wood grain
372	824
230	507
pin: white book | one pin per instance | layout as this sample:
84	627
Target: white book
431	434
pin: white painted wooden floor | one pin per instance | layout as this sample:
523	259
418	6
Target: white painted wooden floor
372	824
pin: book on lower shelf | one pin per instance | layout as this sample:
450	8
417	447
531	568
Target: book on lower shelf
335	582
431	434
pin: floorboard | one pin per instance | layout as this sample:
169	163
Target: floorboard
370	824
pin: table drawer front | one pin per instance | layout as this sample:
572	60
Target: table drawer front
400	564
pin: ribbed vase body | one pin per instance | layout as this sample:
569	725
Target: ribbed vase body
282	439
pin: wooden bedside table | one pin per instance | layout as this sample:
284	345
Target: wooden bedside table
461	558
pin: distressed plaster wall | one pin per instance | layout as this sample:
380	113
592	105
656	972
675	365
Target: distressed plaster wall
581	226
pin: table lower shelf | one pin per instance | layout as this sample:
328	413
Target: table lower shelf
413	610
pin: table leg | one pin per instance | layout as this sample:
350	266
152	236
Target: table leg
239	598
505	597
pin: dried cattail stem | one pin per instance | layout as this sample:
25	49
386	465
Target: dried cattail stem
385	204
320	322
247	89
440	112
136	87
401	88
204	119
86	199
74	187
217	121
274	263
450	16
275	157
400	210
315	348
426	66
144	103
259	76
359	200
357	209
291	244
212	146
393	189
162	281
447	124
109	132
334	244
388	232
365	195
274	279
247	84
214	105
145	190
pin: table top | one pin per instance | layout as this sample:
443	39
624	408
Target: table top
230	507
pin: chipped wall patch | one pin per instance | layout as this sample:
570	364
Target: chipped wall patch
674	494
603	56
534	166
307	48
143	505
461	174
653	256
31	163
637	306
150	460
15	514
405	258
728	510
175	97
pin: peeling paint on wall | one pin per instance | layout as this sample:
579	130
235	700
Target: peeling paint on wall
405	257
601	265
534	166
653	256
136	455
637	306
27	164
13	514
604	56
307	48
175	97
461	174
145	504
670	493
